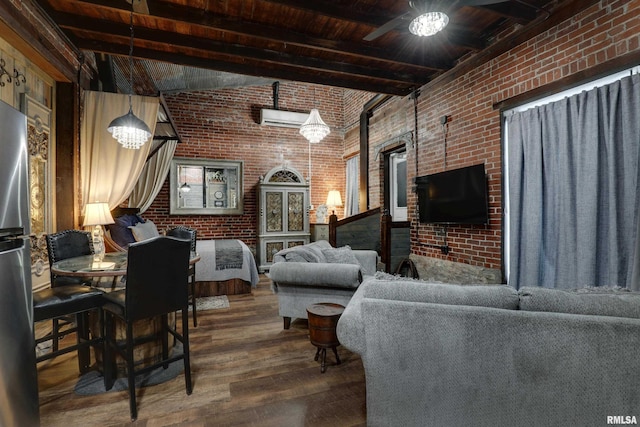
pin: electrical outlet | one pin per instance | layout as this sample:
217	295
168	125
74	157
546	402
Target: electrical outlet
444	120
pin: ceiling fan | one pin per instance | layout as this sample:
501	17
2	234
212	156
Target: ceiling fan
427	17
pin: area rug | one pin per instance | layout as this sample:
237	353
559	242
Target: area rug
211	303
93	382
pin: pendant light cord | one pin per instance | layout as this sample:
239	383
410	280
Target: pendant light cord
131	58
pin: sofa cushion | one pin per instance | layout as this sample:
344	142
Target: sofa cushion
495	296
603	301
341	255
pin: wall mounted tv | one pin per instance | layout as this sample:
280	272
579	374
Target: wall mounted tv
457	196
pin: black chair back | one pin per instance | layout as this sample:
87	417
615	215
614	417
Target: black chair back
182	232
67	244
157	271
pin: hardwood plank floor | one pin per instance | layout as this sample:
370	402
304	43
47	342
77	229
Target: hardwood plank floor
247	371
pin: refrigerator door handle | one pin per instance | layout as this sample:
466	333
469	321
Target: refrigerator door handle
11	244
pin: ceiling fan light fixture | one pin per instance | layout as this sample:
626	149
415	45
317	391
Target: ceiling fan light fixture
314	128
428	24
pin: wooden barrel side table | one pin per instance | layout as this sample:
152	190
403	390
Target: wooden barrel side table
323	318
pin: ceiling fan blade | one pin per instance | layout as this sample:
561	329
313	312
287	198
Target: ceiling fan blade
139	6
388	26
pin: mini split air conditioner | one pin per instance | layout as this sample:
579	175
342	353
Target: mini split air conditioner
287	119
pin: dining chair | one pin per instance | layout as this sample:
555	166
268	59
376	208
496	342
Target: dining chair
156	286
69	299
182	232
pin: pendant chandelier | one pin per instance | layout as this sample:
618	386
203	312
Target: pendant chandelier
130	131
428	24
314	128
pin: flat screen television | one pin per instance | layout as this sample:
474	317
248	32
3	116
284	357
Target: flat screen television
457	196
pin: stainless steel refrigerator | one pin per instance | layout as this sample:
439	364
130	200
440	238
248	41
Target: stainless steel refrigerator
18	374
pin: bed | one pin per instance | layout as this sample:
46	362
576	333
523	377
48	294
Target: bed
226	267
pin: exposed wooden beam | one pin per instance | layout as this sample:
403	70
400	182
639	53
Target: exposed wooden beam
192	16
244	67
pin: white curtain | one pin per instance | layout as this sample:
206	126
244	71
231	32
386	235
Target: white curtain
108	172
574	172
351	206
152	177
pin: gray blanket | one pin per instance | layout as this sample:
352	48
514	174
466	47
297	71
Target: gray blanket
228	254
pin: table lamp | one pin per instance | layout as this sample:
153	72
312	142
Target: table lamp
97	215
333	200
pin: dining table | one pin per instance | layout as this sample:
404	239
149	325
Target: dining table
112	264
113	267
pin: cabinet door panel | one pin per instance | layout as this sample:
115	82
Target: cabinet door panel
295	203
274	211
272	248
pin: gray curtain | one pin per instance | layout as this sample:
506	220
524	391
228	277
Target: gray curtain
351	206
573	189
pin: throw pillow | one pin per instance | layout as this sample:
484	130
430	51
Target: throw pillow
342	255
144	230
120	231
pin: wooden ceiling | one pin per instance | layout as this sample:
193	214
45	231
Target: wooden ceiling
318	41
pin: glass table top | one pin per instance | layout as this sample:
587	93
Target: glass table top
112	264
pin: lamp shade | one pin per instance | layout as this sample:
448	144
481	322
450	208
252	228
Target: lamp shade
428	24
130	131
97	214
314	128
334	199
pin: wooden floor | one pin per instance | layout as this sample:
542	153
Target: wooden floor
247	371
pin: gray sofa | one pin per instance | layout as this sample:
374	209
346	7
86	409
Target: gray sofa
469	355
317	272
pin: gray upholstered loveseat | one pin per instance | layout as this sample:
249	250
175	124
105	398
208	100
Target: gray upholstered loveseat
317	272
464	355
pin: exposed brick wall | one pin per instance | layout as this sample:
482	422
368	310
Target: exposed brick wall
224	125
599	34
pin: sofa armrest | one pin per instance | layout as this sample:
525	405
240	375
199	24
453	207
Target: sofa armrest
368	260
350	328
315	274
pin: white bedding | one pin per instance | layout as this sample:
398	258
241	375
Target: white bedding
206	268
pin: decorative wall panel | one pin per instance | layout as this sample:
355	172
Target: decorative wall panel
38	136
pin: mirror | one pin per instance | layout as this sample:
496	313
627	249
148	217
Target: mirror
206	187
